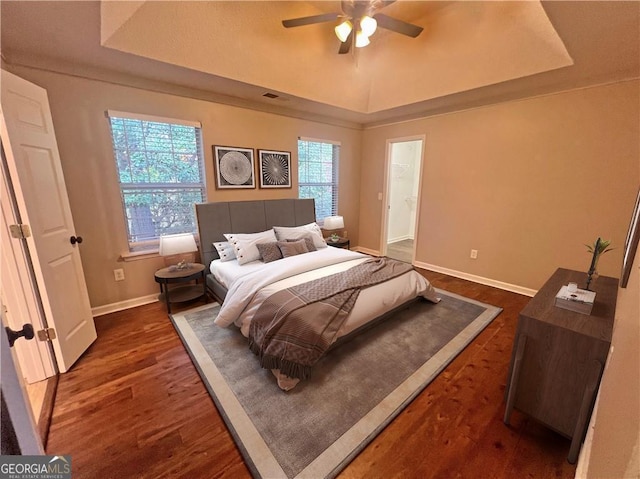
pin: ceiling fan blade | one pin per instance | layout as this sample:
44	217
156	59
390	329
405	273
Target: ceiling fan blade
346	45
380	4
298	22
397	26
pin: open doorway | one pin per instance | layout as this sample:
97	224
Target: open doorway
404	166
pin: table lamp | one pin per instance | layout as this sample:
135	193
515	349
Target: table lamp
333	223
178	248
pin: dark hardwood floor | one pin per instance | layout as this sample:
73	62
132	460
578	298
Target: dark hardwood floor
134	406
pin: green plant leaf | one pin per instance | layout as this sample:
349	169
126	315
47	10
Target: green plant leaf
603	247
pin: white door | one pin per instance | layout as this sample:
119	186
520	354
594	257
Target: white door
34	166
18	289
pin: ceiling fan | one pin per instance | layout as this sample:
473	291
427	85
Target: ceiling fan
360	18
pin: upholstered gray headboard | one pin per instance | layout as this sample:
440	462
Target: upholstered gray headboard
217	218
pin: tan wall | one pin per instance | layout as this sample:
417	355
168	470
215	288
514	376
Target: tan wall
526	183
78	108
615	450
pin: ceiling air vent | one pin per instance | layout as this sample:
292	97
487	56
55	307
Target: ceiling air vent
271	95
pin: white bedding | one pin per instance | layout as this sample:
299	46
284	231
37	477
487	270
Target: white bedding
226	272
249	287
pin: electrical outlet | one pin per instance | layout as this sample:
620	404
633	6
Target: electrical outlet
118	274
345	234
474	254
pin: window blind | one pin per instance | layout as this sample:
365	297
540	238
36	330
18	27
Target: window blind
161	175
318	175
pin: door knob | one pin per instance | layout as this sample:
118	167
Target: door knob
26	332
76	239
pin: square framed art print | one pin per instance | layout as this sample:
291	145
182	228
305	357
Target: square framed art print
274	169
234	167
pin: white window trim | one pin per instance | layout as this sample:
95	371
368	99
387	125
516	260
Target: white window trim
152	118
319	140
137	255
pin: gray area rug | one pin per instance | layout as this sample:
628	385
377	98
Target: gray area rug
316	429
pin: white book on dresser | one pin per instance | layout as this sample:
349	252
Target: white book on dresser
580	300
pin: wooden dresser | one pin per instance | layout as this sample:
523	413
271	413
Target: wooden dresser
559	355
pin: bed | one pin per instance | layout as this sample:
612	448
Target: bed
236	244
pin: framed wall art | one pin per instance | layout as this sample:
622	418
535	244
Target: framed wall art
275	169
234	167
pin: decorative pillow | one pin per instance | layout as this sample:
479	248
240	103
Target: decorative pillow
308	241
269	251
292	248
284	233
225	250
244	244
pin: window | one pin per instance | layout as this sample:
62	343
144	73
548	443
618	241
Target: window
160	169
318	175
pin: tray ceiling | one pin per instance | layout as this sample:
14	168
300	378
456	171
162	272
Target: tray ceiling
246	41
469	54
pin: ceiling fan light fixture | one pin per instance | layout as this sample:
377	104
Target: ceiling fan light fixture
362	40
343	30
356	22
368	25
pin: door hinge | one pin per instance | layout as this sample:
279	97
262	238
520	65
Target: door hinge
46	334
20	231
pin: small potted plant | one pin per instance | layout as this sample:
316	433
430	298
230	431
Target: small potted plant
598	248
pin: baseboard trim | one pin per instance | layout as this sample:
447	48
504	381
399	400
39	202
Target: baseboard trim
514	288
122	305
360	249
132	303
399	238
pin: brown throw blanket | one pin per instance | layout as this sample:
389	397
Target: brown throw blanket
294	327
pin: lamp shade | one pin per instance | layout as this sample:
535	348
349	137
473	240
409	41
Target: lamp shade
368	25
177	244
362	40
333	223
343	30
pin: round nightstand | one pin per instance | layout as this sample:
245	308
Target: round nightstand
341	243
181	294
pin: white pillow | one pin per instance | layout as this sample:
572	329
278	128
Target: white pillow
225	250
284	233
244	244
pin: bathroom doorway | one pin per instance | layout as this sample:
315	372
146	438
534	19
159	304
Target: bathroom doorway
404	170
